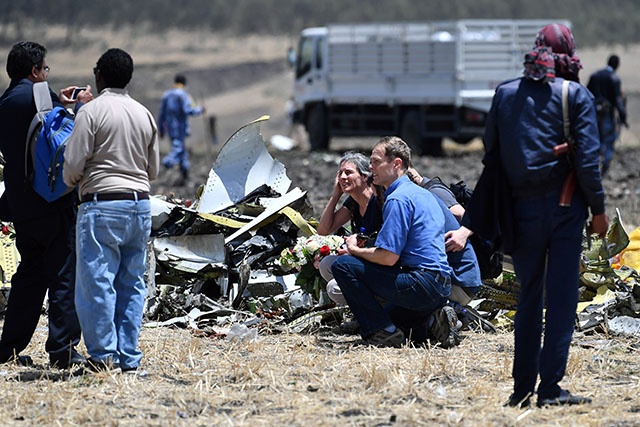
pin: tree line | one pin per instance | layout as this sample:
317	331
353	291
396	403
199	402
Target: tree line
594	22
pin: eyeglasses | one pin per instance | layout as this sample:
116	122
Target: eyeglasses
95	70
47	69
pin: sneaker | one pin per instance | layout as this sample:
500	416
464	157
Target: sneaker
443	329
94	366
66	359
565	398
383	338
135	372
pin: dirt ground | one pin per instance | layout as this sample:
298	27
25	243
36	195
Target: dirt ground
320	378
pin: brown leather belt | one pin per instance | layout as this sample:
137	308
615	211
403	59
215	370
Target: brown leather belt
130	195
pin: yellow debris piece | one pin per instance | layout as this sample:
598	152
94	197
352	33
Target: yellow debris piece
630	256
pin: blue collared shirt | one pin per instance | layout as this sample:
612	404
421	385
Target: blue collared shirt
413	227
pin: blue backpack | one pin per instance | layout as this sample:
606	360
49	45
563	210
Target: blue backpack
46	140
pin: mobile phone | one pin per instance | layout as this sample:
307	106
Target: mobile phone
76	91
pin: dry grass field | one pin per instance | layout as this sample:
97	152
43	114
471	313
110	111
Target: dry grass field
318	379
291	379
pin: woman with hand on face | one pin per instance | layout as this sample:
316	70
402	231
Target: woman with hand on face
363	208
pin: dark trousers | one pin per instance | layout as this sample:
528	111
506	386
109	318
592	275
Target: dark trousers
372	290
47	262
546	261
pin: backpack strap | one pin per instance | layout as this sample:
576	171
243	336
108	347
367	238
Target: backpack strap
565	110
42	97
44	105
429	183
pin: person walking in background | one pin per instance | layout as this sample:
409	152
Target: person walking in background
175	109
605	86
524	125
44	231
112	155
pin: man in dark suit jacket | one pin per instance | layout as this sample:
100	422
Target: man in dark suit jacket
44	231
606	88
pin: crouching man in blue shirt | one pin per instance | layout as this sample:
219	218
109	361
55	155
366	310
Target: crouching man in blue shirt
407	268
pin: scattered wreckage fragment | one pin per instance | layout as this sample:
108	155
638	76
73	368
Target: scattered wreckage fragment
217	256
606	293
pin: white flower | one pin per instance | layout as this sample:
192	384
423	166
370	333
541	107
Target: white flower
307	250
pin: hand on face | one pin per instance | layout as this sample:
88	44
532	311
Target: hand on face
337	188
349	179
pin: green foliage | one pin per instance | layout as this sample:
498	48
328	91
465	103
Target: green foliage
593	22
310	281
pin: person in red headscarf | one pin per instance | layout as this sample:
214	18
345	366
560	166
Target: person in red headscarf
524	125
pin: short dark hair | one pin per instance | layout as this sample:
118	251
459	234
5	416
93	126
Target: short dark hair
23	57
180	78
613	61
396	147
116	68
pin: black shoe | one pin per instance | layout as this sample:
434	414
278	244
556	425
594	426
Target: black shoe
444	329
350	327
520	402
66	359
565	398
23	360
383	338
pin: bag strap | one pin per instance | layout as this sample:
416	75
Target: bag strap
42	97
44	105
565	110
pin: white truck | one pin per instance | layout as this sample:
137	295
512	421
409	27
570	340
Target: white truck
422	81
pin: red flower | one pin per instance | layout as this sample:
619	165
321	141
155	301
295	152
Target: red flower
325	250
5	230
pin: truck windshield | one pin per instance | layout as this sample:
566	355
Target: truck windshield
305	56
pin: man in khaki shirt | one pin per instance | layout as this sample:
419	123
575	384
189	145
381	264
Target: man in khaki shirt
112	155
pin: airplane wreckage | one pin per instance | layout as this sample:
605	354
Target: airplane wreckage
218	265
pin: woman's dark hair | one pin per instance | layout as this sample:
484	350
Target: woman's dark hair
362	163
116	68
23	57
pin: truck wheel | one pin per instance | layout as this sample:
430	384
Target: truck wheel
317	127
411	132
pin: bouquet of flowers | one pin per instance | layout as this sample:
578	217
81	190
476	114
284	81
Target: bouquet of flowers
304	257
309	250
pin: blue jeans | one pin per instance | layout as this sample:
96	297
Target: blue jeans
373	290
177	156
608	136
112	239
546	261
